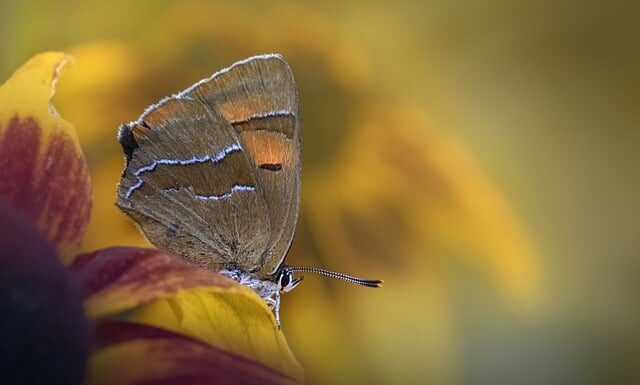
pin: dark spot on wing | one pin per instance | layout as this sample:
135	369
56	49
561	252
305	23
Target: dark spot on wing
271	166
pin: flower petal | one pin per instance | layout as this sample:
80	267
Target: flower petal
152	287
42	169
41	307
129	353
235	321
120	278
427	197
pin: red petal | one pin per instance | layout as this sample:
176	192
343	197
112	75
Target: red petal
155	288
115	332
48	193
121	278
42	169
131	353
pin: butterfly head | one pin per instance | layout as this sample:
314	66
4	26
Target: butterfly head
285	280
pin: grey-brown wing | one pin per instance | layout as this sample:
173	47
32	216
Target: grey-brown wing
190	186
259	98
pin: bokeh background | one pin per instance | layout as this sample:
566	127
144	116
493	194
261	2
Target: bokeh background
479	156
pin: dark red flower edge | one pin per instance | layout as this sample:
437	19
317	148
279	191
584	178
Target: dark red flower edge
199	362
140	267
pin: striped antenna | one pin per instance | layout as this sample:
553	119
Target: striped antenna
341	276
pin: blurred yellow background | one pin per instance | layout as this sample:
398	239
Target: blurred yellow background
479	156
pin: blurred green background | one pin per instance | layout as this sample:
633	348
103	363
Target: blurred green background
479	156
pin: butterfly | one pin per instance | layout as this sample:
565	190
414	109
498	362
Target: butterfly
213	175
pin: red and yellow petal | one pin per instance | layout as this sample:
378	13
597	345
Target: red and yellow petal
121	278
154	288
43	172
130	353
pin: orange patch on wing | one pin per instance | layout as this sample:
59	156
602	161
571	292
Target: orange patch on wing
268	147
241	110
42	169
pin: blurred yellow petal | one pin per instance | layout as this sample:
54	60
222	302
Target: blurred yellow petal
403	202
42	169
97	78
412	191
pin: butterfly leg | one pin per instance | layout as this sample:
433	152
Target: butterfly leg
273	301
276	309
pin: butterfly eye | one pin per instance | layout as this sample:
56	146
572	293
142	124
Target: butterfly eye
285	279
286	282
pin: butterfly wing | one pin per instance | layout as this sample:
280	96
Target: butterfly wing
259	98
213	172
189	186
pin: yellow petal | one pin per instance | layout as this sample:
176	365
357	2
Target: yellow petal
121	278
235	320
42	169
155	288
129	353
412	193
